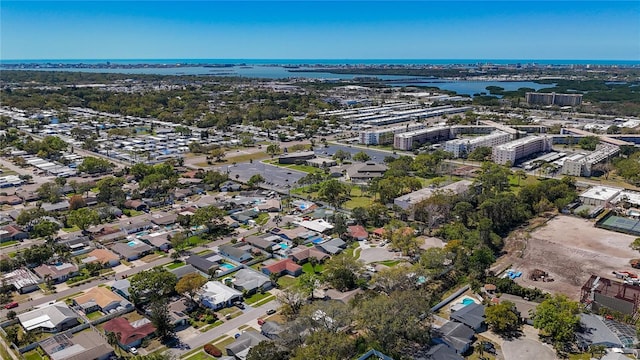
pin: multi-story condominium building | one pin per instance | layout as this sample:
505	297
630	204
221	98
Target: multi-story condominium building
582	165
385	136
518	149
461	147
408	140
534	98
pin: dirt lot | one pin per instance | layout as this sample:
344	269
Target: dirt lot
571	250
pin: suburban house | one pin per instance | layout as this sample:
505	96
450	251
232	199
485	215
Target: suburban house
442	352
100	299
130	334
121	287
261	242
77	243
49	318
159	240
250	281
271	329
82	345
599	331
269	205
215	295
302	254
163	219
132	250
58	273
105	257
248	339
10	200
136	226
374	355
181	271
12	233
206	263
317	225
357	232
23	280
235	253
457	336
365	172
178	312
137	205
283	267
59	206
471	315
333	246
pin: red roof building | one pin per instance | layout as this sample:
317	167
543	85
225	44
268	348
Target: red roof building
283	267
129	335
358	232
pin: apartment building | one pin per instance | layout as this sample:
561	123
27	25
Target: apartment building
408	140
461	147
582	165
534	98
385	136
518	149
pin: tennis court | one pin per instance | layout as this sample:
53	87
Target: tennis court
621	224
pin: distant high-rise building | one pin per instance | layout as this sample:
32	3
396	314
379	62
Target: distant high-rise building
534	98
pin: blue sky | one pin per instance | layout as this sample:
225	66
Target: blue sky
590	30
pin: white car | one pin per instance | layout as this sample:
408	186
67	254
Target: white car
133	350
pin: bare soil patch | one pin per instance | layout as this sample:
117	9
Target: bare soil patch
570	249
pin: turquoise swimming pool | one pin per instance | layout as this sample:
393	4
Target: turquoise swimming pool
467	301
226	266
283	245
132	243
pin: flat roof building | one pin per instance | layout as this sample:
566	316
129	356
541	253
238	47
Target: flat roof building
461	147
534	98
599	195
385	136
409	200
521	148
409	140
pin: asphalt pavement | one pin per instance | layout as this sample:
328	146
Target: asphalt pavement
274	176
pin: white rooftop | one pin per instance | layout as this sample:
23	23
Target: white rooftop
601	193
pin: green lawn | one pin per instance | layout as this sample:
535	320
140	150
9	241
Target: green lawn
256	297
8	243
264	301
286	281
200	355
32	355
389	263
304	168
195	241
355	202
175	265
224	343
94	315
262	218
307	268
71	229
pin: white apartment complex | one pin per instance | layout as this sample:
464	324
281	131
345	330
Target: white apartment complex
581	165
518	149
407	141
461	147
385	136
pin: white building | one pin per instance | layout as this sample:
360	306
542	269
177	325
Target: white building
406	141
600	195
409	200
216	295
581	165
385	136
518	149
460	147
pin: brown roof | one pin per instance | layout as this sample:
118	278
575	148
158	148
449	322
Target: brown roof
103	255
282	265
490	287
55	271
10	199
99	295
357	231
126	333
304	253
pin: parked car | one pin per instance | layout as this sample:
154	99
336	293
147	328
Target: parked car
239	305
260	322
11	305
133	350
271	311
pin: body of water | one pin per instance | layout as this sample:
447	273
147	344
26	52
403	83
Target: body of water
464	87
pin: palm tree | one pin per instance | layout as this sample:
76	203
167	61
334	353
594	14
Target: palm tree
520	175
112	339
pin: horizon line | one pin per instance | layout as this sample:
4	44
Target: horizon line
341	59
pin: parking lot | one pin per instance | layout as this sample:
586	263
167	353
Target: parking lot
275	177
376	155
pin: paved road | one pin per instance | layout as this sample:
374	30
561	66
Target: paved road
24	306
248	316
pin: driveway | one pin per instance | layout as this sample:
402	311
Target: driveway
376	254
526	349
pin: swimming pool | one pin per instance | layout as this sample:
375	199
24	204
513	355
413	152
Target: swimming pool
142	233
132	243
467	301
283	245
226	266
